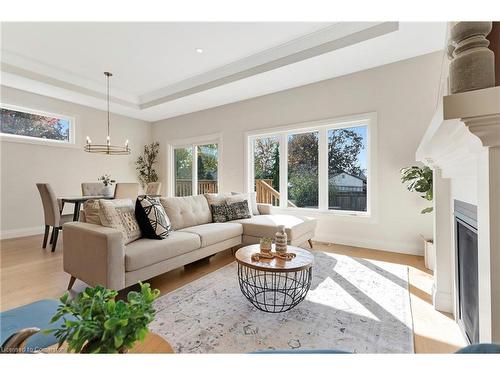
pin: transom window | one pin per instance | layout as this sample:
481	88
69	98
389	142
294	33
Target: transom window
196	169
26	124
323	167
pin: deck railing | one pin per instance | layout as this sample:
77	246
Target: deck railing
267	194
185	187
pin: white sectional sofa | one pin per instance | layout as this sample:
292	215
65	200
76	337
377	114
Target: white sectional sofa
97	255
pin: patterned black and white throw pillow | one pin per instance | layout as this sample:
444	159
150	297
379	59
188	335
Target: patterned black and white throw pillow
152	218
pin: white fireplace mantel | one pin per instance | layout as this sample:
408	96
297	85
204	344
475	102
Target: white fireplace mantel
462	145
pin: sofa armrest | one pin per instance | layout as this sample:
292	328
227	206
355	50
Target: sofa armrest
264	208
94	254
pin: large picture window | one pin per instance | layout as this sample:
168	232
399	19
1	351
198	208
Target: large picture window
323	166
20	123
196	169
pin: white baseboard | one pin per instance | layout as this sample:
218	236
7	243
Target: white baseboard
21	232
394	247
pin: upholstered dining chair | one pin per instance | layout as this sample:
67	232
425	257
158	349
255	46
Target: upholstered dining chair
97	188
52	214
127	190
92	188
153	188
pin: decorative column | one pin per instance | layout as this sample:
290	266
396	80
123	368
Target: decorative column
487	129
472	63
442	296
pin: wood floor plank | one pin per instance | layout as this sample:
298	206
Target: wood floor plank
29	273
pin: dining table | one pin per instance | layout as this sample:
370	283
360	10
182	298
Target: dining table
77	201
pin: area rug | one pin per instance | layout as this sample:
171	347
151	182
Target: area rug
354	305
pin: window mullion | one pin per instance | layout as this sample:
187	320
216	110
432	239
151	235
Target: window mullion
195	170
283	147
251	166
323	169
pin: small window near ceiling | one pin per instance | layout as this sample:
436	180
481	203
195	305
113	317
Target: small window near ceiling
28	124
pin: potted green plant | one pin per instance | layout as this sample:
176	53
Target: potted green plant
266	244
102	324
145	164
419	179
108	185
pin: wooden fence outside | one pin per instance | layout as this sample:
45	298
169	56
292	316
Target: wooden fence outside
348	201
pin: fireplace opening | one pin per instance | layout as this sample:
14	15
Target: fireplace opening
467	269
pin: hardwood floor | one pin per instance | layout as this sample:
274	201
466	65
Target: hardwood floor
29	273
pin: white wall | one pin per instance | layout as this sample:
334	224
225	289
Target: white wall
402	94
23	165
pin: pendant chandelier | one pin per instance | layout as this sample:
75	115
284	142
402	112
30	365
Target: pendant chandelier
107	148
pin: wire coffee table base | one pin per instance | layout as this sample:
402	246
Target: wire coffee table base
275	291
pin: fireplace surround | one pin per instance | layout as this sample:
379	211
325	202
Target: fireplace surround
466	269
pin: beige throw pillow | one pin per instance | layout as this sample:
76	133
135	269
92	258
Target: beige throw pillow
120	214
91	212
216	199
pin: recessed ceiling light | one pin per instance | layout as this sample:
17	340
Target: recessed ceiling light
199	50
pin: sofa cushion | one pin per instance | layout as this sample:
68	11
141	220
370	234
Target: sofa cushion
144	252
187	211
215	232
267	225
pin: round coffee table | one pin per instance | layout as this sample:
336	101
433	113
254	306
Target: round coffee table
274	285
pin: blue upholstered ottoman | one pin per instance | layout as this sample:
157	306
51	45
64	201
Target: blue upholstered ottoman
36	314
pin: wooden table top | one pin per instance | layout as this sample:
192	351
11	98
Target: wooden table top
303	260
152	344
82	198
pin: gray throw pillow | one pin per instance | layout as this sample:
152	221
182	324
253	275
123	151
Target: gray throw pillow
219	212
238	210
227	212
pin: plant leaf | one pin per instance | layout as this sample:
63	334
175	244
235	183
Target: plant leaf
427	210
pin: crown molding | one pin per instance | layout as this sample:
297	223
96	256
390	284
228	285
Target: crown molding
28	68
34	76
486	128
325	40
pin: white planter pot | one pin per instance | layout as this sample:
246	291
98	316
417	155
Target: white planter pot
108	191
429	255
